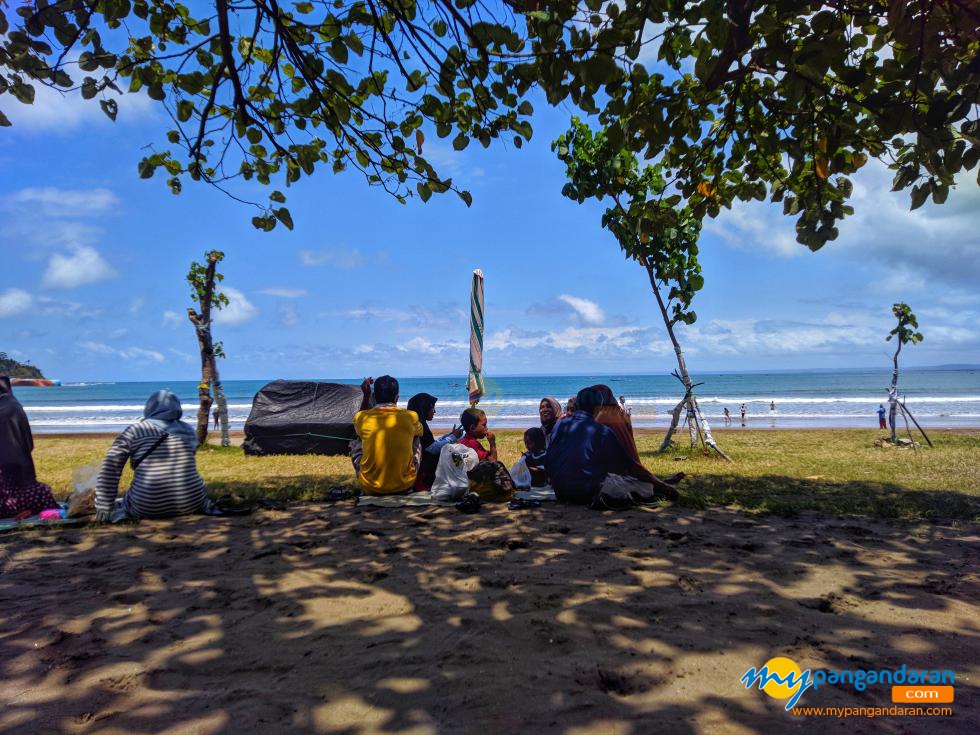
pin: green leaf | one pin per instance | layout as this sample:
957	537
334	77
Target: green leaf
460	142
185	108
424	191
283	215
110	108
919	195
4	121
466	197
277	196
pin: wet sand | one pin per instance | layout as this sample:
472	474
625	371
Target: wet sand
336	619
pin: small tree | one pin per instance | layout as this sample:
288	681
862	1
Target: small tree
906	334
652	230
202	278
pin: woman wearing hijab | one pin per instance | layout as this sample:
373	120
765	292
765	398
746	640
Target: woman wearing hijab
424	404
611	414
20	492
550	411
165	479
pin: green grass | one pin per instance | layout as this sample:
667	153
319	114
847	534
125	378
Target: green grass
785	472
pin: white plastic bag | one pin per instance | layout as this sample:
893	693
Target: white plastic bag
521	474
451	482
84	479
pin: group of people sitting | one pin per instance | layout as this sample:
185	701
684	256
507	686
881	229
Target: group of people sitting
581	453
584	453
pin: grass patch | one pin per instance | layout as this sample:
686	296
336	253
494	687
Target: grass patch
834	471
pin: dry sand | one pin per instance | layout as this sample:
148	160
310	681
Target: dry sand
559	620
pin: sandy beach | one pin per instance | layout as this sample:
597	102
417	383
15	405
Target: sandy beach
336	619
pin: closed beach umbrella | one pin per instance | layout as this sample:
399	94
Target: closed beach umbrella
475	382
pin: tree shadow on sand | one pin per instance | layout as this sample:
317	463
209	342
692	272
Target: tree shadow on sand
337	619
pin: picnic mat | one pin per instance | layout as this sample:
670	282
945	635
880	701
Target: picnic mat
425	498
9	524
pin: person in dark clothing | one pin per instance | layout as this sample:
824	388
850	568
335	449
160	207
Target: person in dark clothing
20	492
424	404
584	454
534	457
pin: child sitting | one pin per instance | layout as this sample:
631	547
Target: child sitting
474	423
489	479
534	440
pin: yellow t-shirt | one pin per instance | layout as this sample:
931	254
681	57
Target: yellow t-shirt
388	436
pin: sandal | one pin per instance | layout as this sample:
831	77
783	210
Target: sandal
469	504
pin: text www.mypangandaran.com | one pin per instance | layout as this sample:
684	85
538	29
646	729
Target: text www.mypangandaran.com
873	711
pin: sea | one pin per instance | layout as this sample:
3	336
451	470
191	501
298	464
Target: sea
939	398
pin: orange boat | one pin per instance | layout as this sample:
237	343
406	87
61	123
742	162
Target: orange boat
34	382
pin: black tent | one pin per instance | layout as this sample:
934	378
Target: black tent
302	417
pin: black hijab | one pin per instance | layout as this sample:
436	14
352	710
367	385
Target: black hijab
422	404
16	443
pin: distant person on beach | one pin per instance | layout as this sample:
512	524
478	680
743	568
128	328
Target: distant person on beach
217	413
772	407
20	492
882	424
387	450
728	417
161	449
742	409
570	406
424	405
622	404
585	458
549	411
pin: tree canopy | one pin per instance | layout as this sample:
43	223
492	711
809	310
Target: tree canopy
737	100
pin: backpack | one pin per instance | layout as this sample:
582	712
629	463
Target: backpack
492	482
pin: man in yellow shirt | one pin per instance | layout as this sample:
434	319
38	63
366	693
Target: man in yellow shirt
386	453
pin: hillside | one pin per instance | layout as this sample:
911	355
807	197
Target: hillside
13	369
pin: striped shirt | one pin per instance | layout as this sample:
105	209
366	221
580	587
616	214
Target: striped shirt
166	482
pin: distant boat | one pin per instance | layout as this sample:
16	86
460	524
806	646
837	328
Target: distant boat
35	382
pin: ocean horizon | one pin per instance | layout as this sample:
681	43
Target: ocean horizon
938	397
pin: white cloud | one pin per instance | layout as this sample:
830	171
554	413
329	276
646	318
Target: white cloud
588	311
238	310
938	245
62	112
50	201
14	301
183	356
172	319
132	354
284	293
288	316
136	306
342	259
84	265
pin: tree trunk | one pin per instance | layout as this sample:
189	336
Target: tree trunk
202	327
683	374
893	392
675	419
219	397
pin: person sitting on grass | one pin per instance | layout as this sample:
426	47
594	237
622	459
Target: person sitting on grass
474	423
388	445
21	495
161	449
424	405
585	458
489	479
534	457
549	410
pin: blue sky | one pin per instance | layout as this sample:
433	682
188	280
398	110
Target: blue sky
92	285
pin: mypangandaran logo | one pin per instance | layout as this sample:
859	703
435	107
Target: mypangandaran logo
781	678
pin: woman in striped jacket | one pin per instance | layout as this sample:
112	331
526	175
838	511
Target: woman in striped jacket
161	449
